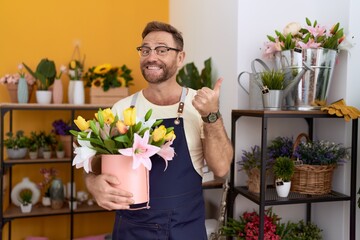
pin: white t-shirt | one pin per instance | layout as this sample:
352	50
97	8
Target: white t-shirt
193	123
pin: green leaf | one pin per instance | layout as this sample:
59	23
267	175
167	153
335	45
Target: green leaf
308	22
100	118
271	39
148	115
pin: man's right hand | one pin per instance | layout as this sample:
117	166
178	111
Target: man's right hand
103	188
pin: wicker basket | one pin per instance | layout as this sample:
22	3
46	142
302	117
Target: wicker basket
311	179
253	181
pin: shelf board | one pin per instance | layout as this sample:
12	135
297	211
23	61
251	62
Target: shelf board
217	183
281	113
64	106
271	197
36	161
39	211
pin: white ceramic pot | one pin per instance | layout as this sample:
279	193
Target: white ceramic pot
60	154
46	201
79	92
43	96
33	155
26	208
16	153
25	184
47	155
73	204
282	188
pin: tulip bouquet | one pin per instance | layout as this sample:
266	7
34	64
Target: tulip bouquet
139	138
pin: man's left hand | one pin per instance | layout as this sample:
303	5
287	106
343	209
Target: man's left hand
206	100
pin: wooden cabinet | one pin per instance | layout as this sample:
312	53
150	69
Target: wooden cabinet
267	195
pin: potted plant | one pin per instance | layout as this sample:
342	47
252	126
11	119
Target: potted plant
189	76
283	170
45	75
25	197
46	151
62	129
33	149
108	83
16	145
60	153
48	176
317	160
251	162
44	140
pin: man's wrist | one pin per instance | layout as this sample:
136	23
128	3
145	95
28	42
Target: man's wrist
212	117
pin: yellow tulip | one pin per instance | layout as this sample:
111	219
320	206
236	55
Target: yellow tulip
170	136
159	133
73	64
130	116
121	127
81	123
107	115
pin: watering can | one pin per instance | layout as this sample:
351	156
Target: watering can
251	87
273	99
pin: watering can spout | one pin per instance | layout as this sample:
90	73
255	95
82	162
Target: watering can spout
296	80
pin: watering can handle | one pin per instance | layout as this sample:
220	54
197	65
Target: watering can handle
239	81
263	64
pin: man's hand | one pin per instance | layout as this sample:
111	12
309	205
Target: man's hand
103	189
206	100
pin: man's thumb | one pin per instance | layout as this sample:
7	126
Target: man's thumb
218	85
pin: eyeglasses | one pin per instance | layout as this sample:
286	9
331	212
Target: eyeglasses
159	50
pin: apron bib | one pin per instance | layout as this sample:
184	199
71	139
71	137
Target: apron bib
177	208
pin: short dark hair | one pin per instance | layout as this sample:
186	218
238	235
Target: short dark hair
164	27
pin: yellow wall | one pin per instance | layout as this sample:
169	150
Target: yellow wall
108	32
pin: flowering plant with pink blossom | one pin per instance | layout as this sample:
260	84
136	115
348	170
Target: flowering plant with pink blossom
313	35
139	138
247	228
14	78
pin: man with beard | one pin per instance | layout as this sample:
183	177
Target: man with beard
176	199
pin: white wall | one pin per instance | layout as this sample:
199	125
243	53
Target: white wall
233	32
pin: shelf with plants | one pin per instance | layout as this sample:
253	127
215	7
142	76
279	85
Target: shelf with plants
10	113
267	195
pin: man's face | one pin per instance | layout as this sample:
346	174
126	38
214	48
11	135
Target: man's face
158	69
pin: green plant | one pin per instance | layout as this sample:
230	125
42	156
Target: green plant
189	76
304	231
252	159
321	152
106	77
273	79
25	196
19	140
59	147
283	168
248	226
42	139
45	73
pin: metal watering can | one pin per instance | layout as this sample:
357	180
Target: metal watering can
253	89
273	99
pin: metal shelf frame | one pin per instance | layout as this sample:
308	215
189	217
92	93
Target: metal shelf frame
6	165
267	195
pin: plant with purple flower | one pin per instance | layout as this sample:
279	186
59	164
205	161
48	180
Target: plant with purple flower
321	152
281	147
60	127
252	159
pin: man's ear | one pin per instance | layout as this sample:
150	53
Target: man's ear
180	59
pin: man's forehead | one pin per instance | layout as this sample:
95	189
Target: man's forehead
158	38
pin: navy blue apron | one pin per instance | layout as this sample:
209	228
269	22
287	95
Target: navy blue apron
177	210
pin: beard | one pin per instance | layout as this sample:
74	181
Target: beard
162	74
